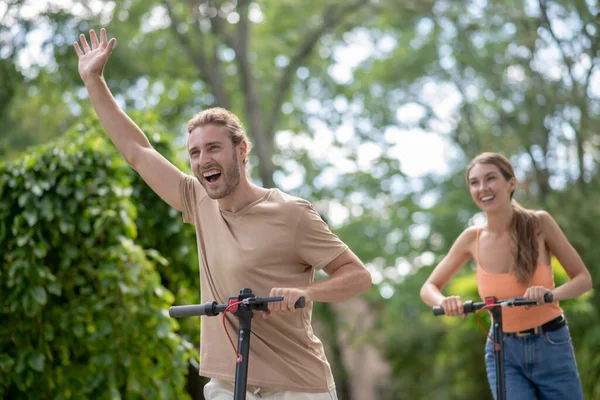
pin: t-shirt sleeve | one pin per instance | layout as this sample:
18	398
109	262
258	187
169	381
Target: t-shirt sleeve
315	243
192	193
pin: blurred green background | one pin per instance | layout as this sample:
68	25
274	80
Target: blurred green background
370	109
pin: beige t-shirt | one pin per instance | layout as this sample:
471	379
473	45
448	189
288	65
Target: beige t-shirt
276	241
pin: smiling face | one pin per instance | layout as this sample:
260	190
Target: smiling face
490	188
215	160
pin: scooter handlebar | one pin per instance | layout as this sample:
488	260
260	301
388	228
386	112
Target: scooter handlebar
469	306
212	308
193	310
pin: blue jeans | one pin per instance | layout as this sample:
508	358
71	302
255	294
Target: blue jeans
538	366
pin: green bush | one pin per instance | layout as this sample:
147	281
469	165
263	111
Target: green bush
82	307
161	229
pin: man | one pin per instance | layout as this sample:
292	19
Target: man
248	236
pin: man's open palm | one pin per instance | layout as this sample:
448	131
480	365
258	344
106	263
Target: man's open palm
92	60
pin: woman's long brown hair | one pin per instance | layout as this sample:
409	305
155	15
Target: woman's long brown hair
525	224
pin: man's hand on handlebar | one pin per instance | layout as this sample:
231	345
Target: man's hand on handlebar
290	298
453	306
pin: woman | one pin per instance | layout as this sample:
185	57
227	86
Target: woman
513	253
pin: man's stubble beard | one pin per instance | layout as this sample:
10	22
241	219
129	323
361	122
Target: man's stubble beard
231	179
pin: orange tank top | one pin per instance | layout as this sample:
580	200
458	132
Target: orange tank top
505	286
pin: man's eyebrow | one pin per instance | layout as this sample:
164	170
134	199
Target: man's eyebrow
197	148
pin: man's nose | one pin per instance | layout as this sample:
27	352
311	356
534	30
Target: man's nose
204	159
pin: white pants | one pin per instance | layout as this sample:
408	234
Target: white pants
217	389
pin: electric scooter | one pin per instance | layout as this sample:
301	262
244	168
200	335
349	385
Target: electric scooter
243	308
495	307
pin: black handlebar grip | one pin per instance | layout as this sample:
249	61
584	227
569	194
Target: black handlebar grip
438	310
468	307
191	310
300	303
549	297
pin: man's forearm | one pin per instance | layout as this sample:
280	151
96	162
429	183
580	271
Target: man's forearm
345	283
123	132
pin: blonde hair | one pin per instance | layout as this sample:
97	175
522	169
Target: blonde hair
525	223
222	117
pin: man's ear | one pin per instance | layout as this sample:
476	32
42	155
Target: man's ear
244	151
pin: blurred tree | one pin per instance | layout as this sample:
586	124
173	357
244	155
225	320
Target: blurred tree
517	79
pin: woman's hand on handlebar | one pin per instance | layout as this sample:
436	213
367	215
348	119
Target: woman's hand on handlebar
453	306
536	293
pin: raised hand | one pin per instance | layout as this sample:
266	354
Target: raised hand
92	60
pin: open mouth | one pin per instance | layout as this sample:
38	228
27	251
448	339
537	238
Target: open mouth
487	198
212	176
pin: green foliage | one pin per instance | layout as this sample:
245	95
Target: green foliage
445	354
162	232
10	78
576	214
82	306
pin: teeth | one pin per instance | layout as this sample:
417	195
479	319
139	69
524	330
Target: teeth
487	198
210	173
